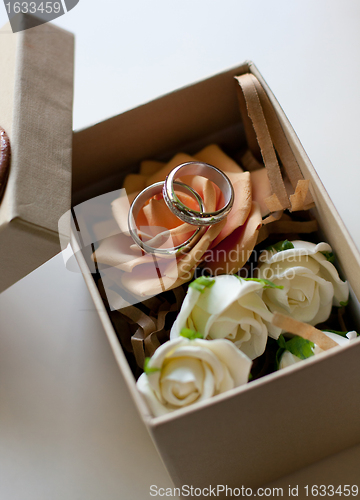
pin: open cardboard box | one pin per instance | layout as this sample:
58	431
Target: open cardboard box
277	424
36	92
252	434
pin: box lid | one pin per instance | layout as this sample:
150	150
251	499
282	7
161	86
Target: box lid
36	94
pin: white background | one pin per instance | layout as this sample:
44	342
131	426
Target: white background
68	428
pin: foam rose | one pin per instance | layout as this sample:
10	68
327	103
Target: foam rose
227	307
288	359
311	283
183	372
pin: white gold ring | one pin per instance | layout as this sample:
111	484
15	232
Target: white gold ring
186	214
136	233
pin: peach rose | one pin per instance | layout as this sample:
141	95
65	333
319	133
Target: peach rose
238	233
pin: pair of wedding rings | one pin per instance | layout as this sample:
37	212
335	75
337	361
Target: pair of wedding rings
199	218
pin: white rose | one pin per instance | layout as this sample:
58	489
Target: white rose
311	284
288	359
183	372
231	308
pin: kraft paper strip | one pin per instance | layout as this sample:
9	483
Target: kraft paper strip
144	342
299	198
247	89
121	324
250	162
267	128
281	143
140	318
149	323
153	303
303	330
273	203
137	342
250	134
152	341
273	217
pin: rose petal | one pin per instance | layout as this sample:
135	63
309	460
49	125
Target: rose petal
181	381
237	362
186	308
115	251
301	248
202	352
227	382
209	193
261	189
251	333
233	252
134	183
241	207
168	167
329	272
254	303
156	407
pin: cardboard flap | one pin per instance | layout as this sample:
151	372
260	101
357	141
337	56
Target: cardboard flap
36	94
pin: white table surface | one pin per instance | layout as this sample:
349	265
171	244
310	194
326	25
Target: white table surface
68	429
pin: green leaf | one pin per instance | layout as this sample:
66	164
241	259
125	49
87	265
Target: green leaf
344	304
148	369
343	334
300	347
265	283
330	256
281	342
201	283
190	334
281	245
